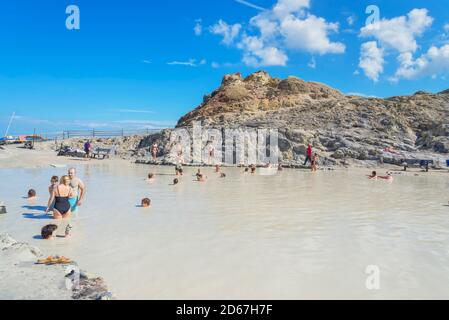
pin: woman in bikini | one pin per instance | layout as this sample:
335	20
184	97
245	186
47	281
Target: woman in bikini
60	196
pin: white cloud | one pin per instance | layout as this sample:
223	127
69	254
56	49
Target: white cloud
258	54
350	20
310	35
400	33
271	33
371	60
446	27
217	65
432	63
397	36
189	63
312	63
229	32
146	61
198	28
284	8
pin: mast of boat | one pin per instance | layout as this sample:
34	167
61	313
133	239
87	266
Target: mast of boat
9	124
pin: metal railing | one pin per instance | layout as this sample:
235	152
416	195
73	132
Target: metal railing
67	134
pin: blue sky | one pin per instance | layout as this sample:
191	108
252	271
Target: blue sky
137	64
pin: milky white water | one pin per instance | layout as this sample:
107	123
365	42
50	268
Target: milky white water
293	235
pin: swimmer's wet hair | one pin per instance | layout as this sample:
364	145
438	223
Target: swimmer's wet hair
150	175
31	193
48	230
176	181
146	202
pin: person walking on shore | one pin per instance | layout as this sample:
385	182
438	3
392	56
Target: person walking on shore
78	190
87	149
309	154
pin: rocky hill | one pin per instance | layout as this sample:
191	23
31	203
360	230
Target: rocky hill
337	125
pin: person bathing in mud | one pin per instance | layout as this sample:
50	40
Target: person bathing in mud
314	163
154	151
179	170
78	190
146	203
60	197
31	195
54	182
150	177
374	176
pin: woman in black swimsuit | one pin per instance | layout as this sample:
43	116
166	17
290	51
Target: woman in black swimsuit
60	196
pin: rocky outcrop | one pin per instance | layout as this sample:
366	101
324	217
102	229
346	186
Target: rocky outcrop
22	279
343	129
337	125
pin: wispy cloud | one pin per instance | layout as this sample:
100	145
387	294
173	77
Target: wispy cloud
146	61
198	28
132	111
358	94
147	124
312	63
189	63
217	65
251	5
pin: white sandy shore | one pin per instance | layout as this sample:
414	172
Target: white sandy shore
12	156
22	279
